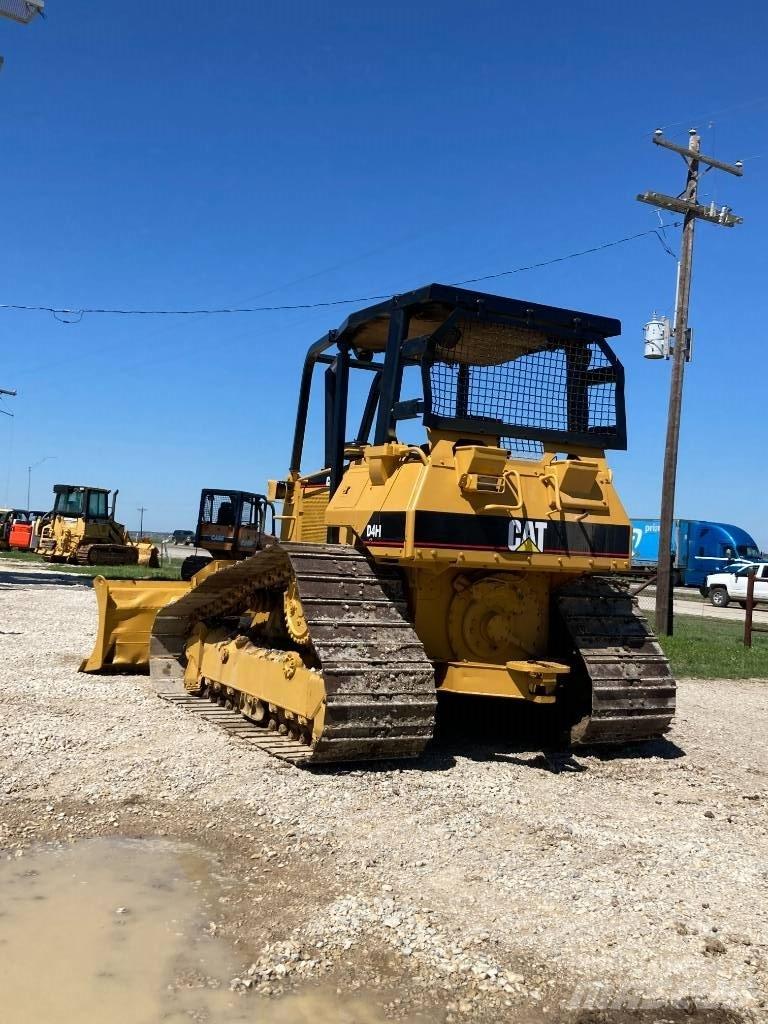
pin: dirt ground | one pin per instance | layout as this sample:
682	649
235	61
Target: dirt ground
476	884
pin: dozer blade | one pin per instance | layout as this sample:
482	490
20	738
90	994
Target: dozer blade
127	610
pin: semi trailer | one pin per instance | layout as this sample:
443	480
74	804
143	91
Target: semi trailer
700	548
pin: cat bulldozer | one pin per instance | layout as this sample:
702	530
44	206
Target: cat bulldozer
462	540
81	529
229	527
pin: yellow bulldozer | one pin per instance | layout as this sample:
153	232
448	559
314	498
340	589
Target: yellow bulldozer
81	529
462	540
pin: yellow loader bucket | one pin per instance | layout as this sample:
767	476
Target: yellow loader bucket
127	610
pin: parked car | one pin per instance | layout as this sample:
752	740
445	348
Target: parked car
731	584
185	537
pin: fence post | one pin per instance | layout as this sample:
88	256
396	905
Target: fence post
750	606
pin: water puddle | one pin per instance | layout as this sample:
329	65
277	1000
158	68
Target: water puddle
118	931
109	930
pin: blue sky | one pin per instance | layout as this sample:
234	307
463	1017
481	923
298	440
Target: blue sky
195	155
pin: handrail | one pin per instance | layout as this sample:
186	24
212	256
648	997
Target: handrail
310	476
518	487
509	509
414	449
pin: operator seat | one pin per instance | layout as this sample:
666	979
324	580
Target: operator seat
226	514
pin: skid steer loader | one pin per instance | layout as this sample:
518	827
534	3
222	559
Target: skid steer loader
9	518
81	529
473	552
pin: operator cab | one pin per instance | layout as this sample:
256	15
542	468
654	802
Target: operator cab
495	379
73	501
230	523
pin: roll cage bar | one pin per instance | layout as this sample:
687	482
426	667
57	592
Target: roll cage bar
392	320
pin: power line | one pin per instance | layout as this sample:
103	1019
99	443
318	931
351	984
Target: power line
752	102
59	311
664	245
569	256
62	311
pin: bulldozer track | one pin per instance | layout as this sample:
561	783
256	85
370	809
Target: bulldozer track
379	684
106	554
232	722
633	690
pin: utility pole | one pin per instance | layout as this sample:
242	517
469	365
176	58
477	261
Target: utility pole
141	510
12	393
688	204
29	474
22	11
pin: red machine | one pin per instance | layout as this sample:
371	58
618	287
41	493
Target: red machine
20	536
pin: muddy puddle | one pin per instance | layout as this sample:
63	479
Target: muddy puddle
119	931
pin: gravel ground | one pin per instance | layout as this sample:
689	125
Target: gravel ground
473	885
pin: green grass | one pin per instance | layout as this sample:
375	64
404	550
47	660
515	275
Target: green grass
169	571
21	556
705	648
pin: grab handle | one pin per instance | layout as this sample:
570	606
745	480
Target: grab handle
559	503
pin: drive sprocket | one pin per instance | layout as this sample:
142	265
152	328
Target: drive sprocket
295	620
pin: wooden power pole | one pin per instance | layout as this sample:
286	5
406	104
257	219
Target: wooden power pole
687	204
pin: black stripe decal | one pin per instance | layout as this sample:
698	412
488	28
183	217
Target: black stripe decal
499	533
385	528
504	534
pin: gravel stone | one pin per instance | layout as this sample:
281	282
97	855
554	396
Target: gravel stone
475	882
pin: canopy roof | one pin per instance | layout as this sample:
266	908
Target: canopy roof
430	306
79	487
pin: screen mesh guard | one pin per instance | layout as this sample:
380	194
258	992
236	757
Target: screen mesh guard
219	509
498	377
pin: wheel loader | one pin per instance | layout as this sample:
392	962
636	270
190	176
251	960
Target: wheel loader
229	527
81	529
462	539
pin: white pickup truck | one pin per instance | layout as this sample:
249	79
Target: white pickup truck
731	585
